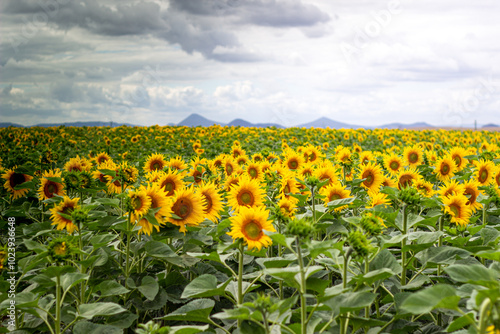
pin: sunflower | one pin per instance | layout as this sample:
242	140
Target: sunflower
159	202
445	168
496	176
406	178
327	173
188	206
393	163
389	182
287	207
333	192
107	165
484	172
198	169
292	160
13	179
257	157
66	207
154	162
493	330
254	170
425	188
343	155
413	156
366	157
247	193
139	203
213	201
471	191
77	164
377	198
373	176
231	181
288	185
49	188
155	175
312	153
456	206
451	188
458	154
249	224
102	158
177	163
230	166
171	181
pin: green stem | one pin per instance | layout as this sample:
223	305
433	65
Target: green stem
280	254
367	270
440	240
483	315
127	251
240	276
303	306
58	305
403	244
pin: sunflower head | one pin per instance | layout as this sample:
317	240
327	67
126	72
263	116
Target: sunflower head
14	179
61	249
249	225
302	228
372	224
359	243
456	206
410	196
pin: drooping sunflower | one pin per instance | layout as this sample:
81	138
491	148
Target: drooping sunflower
288	185
287	207
49	188
471	191
188	206
407	177
213	201
155	161
249	224
456	206
373	176
484	172
171	181
334	191
445	168
66	207
343	156
425	188
377	198
13	179
458	154
247	193
366	157
327	173
177	163
451	187
413	156
139	203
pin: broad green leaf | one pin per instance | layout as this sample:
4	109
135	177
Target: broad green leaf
470	273
102	239
69	280
204	286
442	255
149	287
242	313
197	310
187	329
461	322
385	259
85	327
489	254
88	311
424	301
280	239
350	301
114	202
111	288
373	276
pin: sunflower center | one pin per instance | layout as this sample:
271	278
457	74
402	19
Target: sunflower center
253	230
286	190
137	203
156	165
293	164
394	165
169	187
252	172
445	169
405	180
182	208
229	169
413	158
369	178
51	188
455	209
197	176
334	197
483	176
471	195
312	156
457	159
16	179
246	198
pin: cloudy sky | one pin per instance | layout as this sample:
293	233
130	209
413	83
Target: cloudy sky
285	61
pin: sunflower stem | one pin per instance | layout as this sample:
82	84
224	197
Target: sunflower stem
240	276
127	251
280	254
440	240
58	305
303	306
403	244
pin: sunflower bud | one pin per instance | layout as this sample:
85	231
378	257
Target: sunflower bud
264	304
359	243
60	249
79	216
410	196
313	181
300	227
372	224
72	180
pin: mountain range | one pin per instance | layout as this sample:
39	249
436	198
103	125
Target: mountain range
198	120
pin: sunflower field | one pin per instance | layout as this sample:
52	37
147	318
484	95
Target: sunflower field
249	230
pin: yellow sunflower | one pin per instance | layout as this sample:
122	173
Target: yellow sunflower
13	179
213	201
484	172
230	182
287	207
389	182
445	168
154	162
288	185
343	155
107	165
496	176
413	156
158	200
377	198
373	176
249	224
171	181
177	163
366	157
188	206
471	191
312	153
66	207
292	160
247	193
425	188
458	154
451	187
406	178
102	158
230	166
334	191
139	203
456	206
327	173
77	164
49	188
254	170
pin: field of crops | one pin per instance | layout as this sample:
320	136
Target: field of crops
247	230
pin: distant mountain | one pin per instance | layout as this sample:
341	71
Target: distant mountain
404	126
197	120
491	125
7	124
243	123
325	122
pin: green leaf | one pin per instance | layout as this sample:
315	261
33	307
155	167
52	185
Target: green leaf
461	322
102	239
111	288
373	276
280	239
114	202
350	301
424	301
85	327
197	310
204	286
470	273
340	202
69	280
149	287
25	185
489	234
242	313
442	255
88	311
490	254
163	251
187	329
385	259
